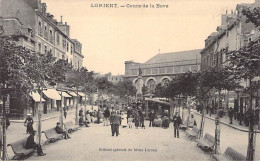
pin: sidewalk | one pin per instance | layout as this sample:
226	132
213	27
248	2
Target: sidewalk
49	116
225	121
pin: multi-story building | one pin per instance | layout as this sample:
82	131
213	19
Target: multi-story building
36	29
233	34
77	58
50	36
162	68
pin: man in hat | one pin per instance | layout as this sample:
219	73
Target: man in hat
29	123
30	143
176	123
59	130
115	121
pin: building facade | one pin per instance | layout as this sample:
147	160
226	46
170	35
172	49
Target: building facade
162	68
49	35
233	34
37	30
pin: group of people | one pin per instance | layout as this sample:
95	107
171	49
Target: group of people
30	143
135	116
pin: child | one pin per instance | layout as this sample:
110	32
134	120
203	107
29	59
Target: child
130	121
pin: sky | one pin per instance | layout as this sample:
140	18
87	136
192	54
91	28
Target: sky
111	36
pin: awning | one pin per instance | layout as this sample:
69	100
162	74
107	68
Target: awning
52	94
65	94
36	97
81	94
158	101
72	94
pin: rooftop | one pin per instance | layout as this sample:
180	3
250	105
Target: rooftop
175	56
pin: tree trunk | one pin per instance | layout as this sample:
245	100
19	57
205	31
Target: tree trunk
188	106
77	106
85	107
251	134
39	118
202	122
61	111
217	130
4	155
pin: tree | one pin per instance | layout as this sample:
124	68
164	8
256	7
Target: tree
124	89
20	72
103	86
77	78
160	90
246	63
219	78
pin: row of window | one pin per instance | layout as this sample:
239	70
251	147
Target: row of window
49	35
169	70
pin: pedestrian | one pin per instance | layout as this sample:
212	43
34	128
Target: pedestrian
82	122
88	117
141	116
30	143
65	112
106	116
192	121
176	123
129	113
130	121
136	119
115	121
59	130
151	118
81	112
7	121
28	123
230	115
98	116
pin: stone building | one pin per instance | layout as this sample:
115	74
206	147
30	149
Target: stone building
46	34
37	30
163	67
233	34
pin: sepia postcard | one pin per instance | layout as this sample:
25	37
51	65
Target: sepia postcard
156	87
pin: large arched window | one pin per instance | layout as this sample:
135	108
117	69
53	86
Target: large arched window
165	82
151	85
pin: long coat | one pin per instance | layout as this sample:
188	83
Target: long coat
115	119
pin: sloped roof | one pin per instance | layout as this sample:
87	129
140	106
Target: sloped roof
175	56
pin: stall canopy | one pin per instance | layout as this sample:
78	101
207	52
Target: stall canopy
156	100
64	94
52	94
72	94
36	97
81	94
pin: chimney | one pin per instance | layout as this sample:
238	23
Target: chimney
232	12
226	12
61	19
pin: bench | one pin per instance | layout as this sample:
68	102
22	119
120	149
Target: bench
52	135
229	155
183	126
19	150
207	143
192	134
71	127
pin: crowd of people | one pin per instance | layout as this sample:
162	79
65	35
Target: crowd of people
243	115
